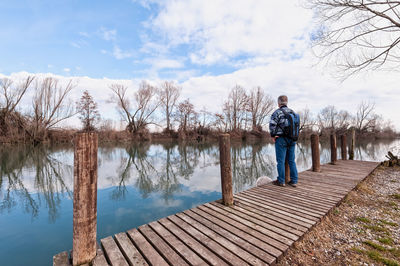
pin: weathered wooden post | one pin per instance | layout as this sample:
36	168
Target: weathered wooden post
85	198
226	169
287	171
315	153
344	147
333	149
353	143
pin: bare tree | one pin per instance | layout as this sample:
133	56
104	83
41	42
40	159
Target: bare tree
365	117
307	121
186	115
327	118
50	107
88	112
357	34
260	105
169	94
10	97
140	114
235	107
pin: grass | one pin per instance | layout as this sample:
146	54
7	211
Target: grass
363	219
385	240
375	255
396	196
395	252
388	223
376	228
374	245
392	203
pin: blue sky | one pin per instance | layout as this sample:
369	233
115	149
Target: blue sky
207	47
87	38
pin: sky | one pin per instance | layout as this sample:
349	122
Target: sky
205	46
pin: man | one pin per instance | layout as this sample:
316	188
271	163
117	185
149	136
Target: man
284	145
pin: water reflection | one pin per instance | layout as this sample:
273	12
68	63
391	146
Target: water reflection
31	176
35	176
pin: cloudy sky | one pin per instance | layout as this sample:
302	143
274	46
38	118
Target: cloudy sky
206	46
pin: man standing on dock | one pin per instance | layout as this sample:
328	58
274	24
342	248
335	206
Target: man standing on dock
284	130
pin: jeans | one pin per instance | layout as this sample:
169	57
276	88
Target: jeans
285	149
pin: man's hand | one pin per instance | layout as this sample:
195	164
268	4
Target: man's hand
274	138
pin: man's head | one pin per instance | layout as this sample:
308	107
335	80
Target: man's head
282	100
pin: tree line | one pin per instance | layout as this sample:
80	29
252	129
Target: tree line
243	113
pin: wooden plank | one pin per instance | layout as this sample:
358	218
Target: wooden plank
281	203
298	215
240	238
151	255
192	243
161	246
276	240
112	252
290	196
214	246
301	193
259	222
176	244
100	260
61	259
296	220
200	215
284	223
130	252
227	239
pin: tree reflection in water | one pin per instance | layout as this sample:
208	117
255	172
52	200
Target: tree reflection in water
33	176
17	185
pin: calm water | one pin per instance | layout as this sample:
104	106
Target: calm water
137	184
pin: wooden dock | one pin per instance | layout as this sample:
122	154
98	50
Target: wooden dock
258	229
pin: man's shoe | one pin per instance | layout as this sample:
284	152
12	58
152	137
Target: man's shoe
276	183
292	184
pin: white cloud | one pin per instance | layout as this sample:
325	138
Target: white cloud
67	70
119	54
108	35
221	30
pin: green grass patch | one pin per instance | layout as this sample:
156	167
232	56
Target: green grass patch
395	252
388	223
375	255
393	181
385	240
374	245
376	228
363	219
336	211
396	196
392	203
358	250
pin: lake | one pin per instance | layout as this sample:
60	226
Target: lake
137	184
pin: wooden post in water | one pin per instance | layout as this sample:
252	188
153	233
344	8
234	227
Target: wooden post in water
333	149
287	171
315	153
226	169
353	143
343	147
85	198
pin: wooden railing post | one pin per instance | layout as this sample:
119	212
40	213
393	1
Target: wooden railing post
287	171
343	147
353	142
315	153
85	198
333	149
226	169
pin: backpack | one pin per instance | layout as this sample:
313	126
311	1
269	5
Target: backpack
291	130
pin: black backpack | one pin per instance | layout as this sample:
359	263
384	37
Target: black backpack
291	131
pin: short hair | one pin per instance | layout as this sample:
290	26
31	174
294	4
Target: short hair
283	99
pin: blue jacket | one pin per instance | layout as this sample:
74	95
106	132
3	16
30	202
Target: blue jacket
278	121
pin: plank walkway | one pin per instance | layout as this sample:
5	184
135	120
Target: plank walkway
259	229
